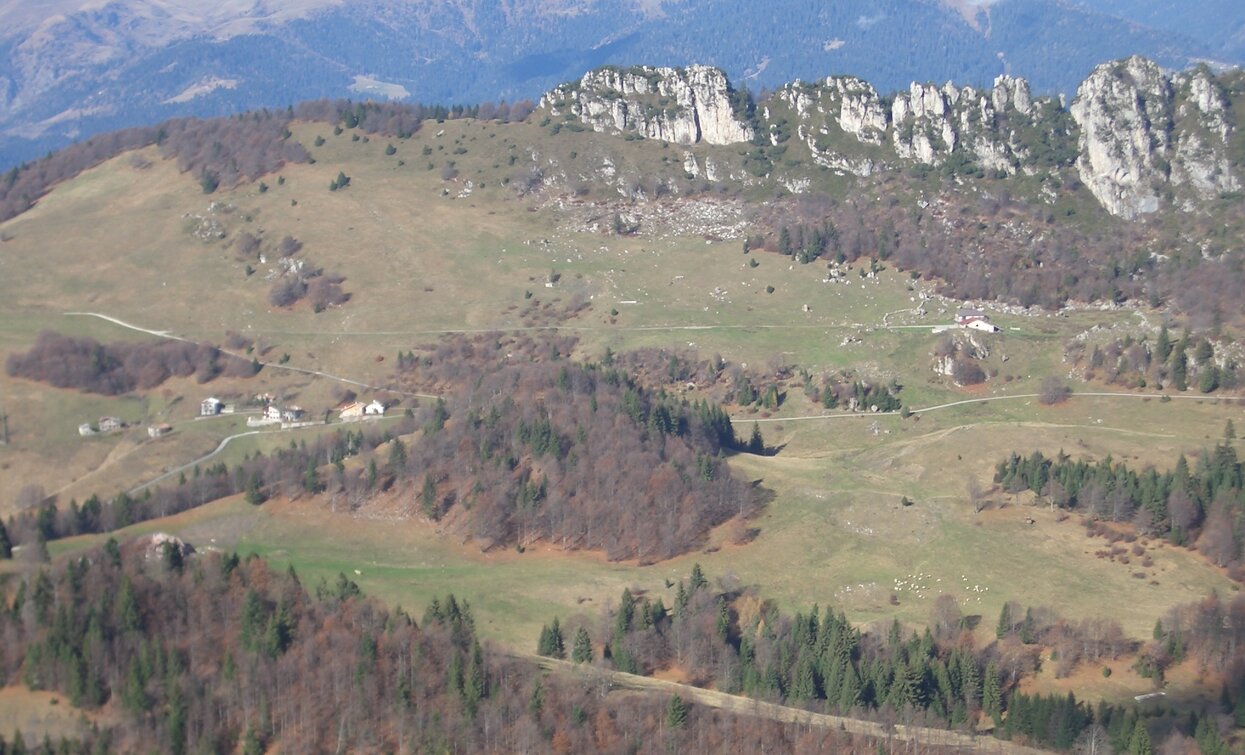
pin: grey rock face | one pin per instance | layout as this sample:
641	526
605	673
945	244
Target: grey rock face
684	106
1145	135
1136	136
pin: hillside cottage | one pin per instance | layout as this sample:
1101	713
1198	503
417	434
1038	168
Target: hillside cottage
292	413
155	431
967	317
210	407
109	424
375	409
272	413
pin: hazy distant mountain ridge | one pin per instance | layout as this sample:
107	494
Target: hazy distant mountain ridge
77	71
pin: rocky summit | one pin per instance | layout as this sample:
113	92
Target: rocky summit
1137	137
1145	134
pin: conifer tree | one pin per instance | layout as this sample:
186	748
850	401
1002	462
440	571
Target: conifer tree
542	643
252	744
676	712
722	625
698	578
756	444
991	694
680	600
557	643
1163	346
1140	742
582	650
849	688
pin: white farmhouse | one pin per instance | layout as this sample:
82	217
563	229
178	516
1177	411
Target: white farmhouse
967	317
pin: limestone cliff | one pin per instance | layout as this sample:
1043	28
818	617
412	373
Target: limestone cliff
995	130
684	106
1145	135
1137	137
824	112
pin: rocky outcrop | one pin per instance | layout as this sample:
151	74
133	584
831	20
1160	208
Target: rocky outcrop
995	130
825	112
1124	111
153	547
1201	163
923	122
860	109
991	129
1144	134
680	105
1137	137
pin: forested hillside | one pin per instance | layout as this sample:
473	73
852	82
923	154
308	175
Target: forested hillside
728	637
213	653
527	446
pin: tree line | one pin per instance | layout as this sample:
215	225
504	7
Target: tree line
292	472
729	638
221	654
970	247
115	368
1195	505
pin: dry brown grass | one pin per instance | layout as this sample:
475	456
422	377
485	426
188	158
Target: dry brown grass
37	714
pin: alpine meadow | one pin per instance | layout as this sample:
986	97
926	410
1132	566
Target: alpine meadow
666	409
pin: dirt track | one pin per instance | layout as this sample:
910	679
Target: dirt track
909	735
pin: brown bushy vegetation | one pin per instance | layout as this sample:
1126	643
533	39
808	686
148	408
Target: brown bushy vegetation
1001	248
532	448
297	279
116	368
1054	391
287	291
1211	631
576	454
1191	362
212	654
